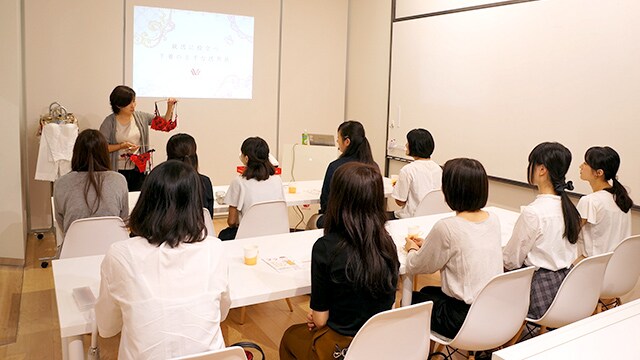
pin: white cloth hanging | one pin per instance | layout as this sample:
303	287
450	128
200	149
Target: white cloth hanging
56	150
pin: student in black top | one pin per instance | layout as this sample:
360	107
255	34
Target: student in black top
354	266
183	147
354	146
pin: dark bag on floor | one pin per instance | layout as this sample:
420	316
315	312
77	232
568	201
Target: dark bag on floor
228	233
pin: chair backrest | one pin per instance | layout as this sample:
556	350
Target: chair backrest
401	333
208	223
264	218
92	236
623	269
432	203
578	295
497	312
230	353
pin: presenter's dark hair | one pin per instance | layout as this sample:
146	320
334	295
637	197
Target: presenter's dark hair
465	184
120	97
358	144
91	155
356	214
608	160
420	143
557	158
258	165
183	147
169	209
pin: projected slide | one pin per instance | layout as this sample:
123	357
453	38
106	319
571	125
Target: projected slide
192	54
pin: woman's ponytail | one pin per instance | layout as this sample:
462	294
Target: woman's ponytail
607	159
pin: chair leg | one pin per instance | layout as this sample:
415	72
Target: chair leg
543	329
517	336
289	304
243	314
438	347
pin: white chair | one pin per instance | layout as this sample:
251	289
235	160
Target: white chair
577	296
264	218
622	271
432	203
92	236
261	219
496	314
401	333
208	222
230	353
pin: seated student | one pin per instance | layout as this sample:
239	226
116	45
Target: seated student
256	184
354	267
166	289
183	147
416	179
465	248
606	219
354	146
547	230
90	189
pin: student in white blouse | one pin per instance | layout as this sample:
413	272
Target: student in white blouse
606	219
465	248
547	230
166	289
256	184
416	179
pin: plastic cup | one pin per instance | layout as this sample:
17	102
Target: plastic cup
250	254
413	231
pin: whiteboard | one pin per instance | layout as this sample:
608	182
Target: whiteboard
491	84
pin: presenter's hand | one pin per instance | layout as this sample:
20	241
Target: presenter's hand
126	145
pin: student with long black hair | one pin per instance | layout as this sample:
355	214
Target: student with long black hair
166	290
90	189
354	267
605	214
354	146
257	183
547	230
183	147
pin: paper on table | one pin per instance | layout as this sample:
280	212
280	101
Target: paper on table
282	263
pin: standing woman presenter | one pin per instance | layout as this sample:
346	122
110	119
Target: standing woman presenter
124	137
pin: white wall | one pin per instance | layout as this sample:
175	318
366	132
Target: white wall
368	70
12	213
77	60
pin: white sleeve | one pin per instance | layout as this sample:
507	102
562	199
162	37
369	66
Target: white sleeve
587	209
108	312
235	194
401	190
434	253
522	240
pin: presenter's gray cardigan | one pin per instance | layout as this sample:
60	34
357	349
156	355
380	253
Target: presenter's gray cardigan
108	129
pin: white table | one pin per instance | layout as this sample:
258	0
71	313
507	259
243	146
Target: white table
248	285
612	334
307	192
